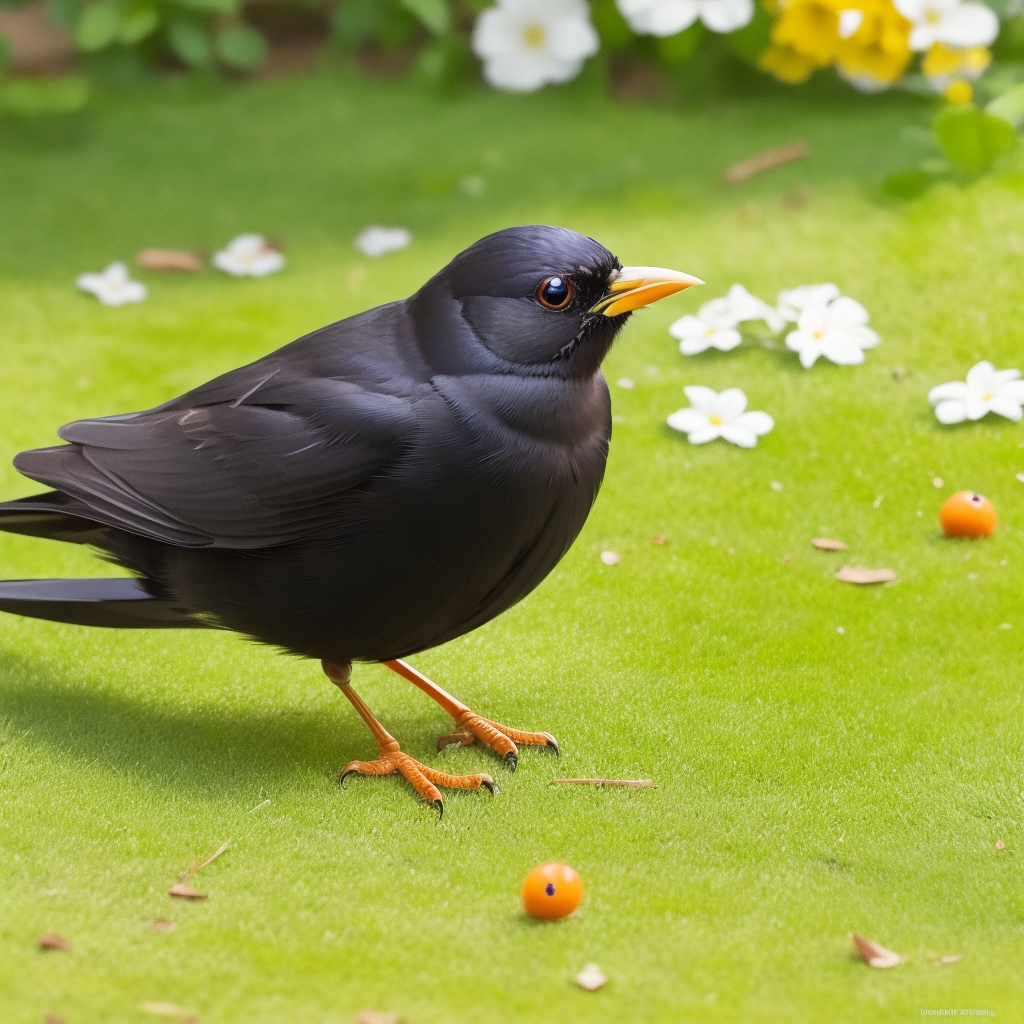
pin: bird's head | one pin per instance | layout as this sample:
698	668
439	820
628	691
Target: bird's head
545	299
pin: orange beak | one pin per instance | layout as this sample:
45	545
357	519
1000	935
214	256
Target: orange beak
633	287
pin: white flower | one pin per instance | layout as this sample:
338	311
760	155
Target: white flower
667	17
793	301
950	22
837	331
525	44
716	321
248	256
695	334
713	414
113	287
986	390
377	241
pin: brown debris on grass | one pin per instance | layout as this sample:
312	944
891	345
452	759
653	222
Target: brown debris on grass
376	1017
1000	845
950	958
164	926
54	941
209	860
52	1018
162	260
768	160
875	955
185	892
659	538
628	783
848	574
591	978
829	544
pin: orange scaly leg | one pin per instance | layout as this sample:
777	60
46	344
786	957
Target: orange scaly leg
392	759
471	727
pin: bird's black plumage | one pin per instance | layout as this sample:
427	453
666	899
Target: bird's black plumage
373	489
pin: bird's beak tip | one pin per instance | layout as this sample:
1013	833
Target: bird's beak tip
633	287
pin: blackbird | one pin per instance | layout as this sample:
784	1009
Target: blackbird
378	487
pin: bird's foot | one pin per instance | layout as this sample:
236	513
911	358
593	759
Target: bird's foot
500	738
423	779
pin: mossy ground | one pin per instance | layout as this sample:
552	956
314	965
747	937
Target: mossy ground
810	782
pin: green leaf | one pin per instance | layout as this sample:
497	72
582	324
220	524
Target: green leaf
212	6
436	15
241	47
1009	106
356	21
752	40
972	138
5	51
36	97
65	12
613	29
908	184
191	42
678	49
99	25
137	24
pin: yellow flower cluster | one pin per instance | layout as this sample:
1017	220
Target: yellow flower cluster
868	43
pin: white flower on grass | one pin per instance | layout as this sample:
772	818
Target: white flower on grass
838	332
713	414
667	17
793	301
716	321
525	44
113	287
950	22
248	256
377	241
697	334
986	390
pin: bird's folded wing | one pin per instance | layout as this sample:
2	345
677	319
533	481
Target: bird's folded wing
266	463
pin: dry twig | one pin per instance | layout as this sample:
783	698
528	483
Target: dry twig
629	783
766	161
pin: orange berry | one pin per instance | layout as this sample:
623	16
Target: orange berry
552	891
967	514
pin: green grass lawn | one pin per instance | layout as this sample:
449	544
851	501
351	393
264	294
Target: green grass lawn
810	782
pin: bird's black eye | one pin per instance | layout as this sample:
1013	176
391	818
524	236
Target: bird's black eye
555	293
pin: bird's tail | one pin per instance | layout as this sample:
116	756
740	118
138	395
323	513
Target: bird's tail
54	515
118	603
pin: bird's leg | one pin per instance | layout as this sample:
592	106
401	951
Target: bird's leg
392	759
471	727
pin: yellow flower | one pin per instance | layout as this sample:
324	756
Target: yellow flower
809	28
951	69
960	92
786	64
879	48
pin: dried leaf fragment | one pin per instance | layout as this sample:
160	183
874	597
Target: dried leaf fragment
164	926
848	574
765	161
873	954
209	860
610	558
659	538
951	958
591	978
1000	845
829	544
54	941
185	892
629	783
376	1017
52	1018
160	260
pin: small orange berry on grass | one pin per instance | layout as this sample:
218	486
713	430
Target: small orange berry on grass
552	891
967	514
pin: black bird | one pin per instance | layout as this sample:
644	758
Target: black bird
376	488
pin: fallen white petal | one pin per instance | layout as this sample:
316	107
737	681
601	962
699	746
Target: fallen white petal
591	978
